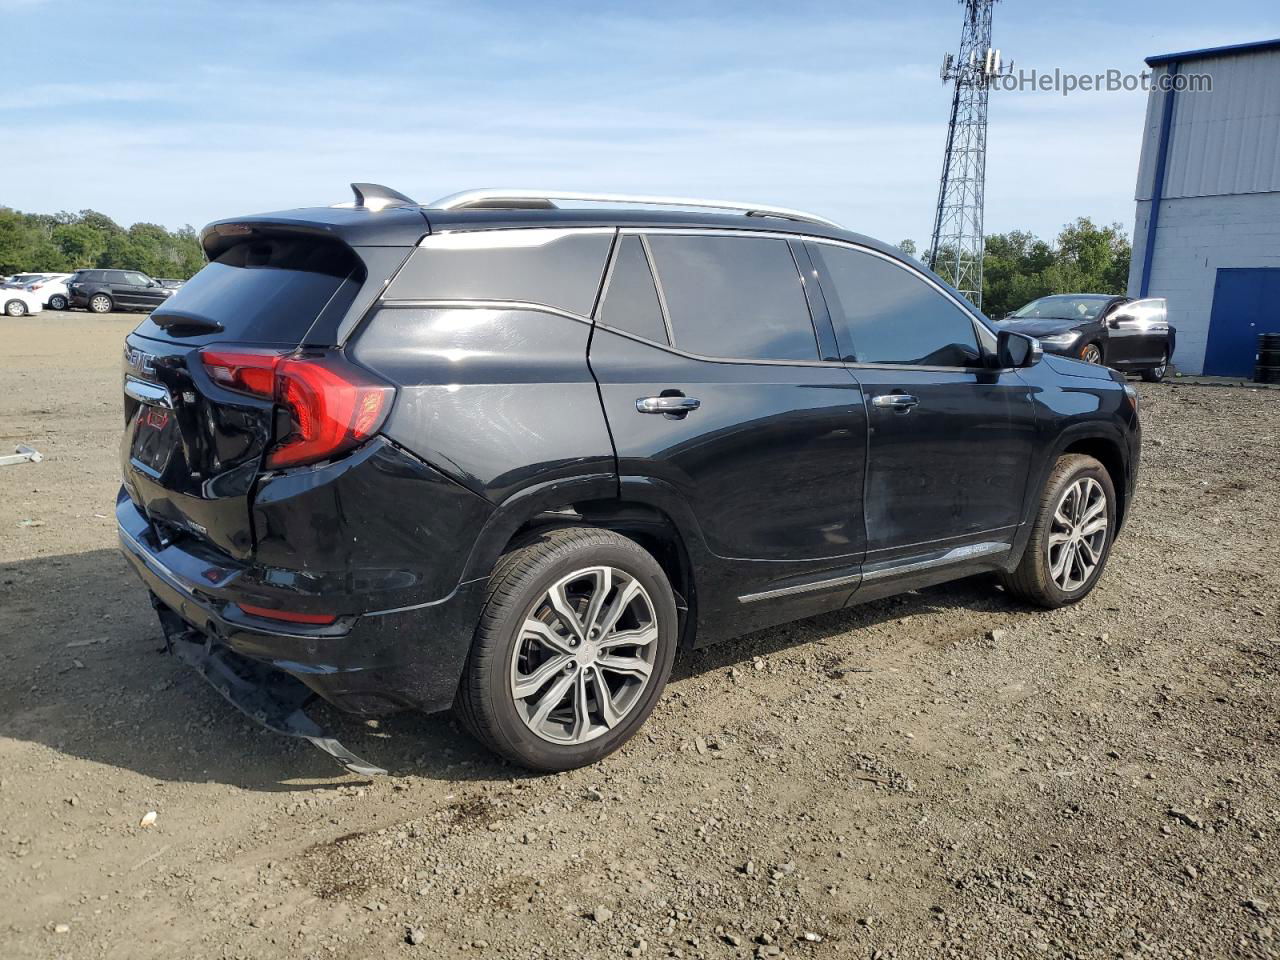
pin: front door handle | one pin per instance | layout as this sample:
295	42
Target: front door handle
668	405
900	402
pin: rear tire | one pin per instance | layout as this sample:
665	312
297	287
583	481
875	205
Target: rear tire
101	303
554	634
57	302
1157	373
1072	536
15	308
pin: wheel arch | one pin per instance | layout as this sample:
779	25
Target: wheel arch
1107	451
640	511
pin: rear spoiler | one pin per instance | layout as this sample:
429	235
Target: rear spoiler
392	226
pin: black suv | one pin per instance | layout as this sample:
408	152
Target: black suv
105	290
510	457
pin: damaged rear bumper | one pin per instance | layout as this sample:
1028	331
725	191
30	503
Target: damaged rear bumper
366	664
271	697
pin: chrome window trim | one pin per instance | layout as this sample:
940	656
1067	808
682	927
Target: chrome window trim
657	285
430	304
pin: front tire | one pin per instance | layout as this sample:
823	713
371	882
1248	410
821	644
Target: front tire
15	308
57	302
573	649
1092	353
1072	536
1157	373
100	303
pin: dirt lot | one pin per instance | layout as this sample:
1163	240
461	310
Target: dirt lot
943	774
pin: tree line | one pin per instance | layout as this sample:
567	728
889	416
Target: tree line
1018	267
63	242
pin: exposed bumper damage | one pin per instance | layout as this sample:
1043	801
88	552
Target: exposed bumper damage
271	697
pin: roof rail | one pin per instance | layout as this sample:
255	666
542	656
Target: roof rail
542	199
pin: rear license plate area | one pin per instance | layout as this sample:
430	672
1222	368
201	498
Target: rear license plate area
155	435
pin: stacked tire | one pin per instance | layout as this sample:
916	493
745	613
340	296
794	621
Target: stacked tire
1268	368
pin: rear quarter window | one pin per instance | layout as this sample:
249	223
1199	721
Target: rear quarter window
559	268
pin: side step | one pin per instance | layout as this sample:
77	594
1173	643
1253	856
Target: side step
272	698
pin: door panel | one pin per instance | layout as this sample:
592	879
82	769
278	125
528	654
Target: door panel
950	440
952	467
771	461
1137	332
1246	302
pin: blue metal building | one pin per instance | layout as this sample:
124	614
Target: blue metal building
1207	229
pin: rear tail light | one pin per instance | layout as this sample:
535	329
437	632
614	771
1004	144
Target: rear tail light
333	405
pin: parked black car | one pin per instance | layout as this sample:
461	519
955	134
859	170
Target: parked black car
1127	334
105	290
494	454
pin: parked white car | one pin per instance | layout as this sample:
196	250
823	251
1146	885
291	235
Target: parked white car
22	279
53	288
18	301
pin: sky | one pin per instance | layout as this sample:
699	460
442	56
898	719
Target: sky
184	111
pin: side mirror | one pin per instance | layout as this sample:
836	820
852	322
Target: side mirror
1017	350
1115	319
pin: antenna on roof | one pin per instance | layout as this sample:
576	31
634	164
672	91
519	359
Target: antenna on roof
374	196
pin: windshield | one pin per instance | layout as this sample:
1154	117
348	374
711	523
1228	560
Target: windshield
1062	308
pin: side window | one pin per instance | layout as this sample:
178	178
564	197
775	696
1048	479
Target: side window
884	313
137	279
738	297
631	301
554	267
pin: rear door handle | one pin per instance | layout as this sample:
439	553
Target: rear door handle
668	405
902	402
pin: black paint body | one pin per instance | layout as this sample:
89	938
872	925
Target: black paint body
788	492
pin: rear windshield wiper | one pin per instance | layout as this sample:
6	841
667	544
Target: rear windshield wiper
185	323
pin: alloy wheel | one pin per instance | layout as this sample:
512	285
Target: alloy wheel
58	303
16	308
1158	372
1091	354
584	655
100	304
1078	534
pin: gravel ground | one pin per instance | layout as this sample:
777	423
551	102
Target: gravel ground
944	774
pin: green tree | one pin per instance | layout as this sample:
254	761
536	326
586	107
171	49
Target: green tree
65	241
1085	258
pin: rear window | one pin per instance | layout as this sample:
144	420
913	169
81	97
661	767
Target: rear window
267	290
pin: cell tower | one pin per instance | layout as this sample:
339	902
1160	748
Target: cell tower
956	248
